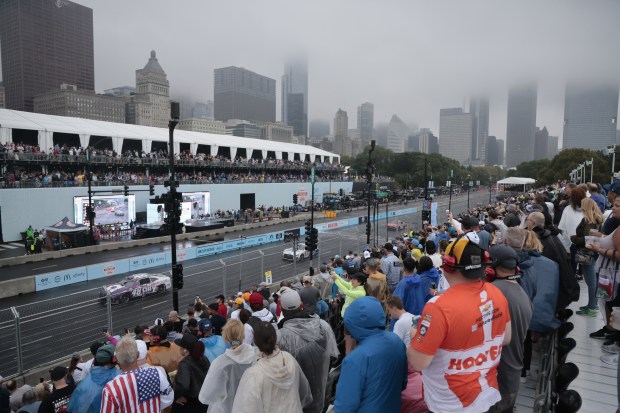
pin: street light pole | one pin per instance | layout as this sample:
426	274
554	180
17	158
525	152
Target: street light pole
241	242
490	189
174	223
369	171
90	212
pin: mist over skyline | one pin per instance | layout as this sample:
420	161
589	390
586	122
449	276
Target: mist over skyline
409	58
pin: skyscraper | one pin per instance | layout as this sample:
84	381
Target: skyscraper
397	134
150	106
365	122
495	151
479	108
319	128
521	124
295	97
243	94
590	116
456	134
342	143
44	44
428	142
541	144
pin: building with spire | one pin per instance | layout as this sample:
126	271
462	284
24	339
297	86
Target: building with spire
150	106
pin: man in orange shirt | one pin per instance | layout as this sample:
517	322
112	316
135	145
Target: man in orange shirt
460	335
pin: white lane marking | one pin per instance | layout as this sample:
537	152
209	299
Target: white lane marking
15	244
149	306
39	339
47	266
9	247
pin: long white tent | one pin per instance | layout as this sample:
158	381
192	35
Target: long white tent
47	125
515	180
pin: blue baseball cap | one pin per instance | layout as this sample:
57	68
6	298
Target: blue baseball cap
613	187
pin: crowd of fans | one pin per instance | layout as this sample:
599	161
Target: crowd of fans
439	320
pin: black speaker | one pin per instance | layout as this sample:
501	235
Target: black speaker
174	110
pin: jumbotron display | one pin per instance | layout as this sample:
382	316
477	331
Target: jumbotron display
109	209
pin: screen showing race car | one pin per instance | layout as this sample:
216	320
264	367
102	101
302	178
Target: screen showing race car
109	209
199	204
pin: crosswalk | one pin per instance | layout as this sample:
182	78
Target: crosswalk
11	246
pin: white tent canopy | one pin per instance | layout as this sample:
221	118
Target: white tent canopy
514	180
47	125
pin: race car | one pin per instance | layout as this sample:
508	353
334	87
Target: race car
396	226
301	255
119	213
135	286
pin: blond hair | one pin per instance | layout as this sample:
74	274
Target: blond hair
233	333
591	212
532	242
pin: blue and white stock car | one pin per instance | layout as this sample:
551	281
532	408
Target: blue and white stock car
135	286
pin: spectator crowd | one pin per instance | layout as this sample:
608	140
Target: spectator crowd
440	320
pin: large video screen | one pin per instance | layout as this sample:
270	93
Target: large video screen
155	213
199	204
109	209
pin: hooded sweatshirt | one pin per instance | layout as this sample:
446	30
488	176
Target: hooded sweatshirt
220	386
86	398
214	346
311	341
375	373
414	290
274	384
540	281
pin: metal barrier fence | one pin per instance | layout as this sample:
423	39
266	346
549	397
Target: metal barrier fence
49	331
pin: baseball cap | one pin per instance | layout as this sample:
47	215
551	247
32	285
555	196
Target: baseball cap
452	231
214	306
323	267
290	299
470	222
95	346
58	372
246	296
613	187
105	353
192	322
204	325
366	255
142	350
504	256
239	301
467	256
187	341
256	298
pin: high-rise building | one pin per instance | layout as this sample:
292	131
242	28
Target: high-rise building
279	131
427	142
541	144
479	107
44	44
319	128
203	125
552	146
341	123
366	122
590	116
413	143
85	104
243	94
2	99
456	134
521	124
243	129
397	134
124	91
295	96
150	105
495	151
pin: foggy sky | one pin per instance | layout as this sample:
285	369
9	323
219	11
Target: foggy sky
409	58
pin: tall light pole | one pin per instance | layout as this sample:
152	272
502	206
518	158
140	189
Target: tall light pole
468	188
590	163
490	188
611	150
369	171
173	211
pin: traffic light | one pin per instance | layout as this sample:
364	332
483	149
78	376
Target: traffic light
426	216
151	189
314	239
177	276
295	199
126	189
308	228
90	213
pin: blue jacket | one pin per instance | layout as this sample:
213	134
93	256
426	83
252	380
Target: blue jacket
439	237
414	291
375	373
86	398
214	347
541	282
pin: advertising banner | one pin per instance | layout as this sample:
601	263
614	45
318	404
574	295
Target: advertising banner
60	278
107	269
147	261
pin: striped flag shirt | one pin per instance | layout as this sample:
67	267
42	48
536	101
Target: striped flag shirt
136	391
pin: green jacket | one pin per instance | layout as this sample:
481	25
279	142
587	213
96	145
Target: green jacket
351	293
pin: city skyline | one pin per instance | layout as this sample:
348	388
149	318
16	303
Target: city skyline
436	72
346	73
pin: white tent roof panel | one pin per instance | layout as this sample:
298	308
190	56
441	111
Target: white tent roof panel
514	180
35	121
